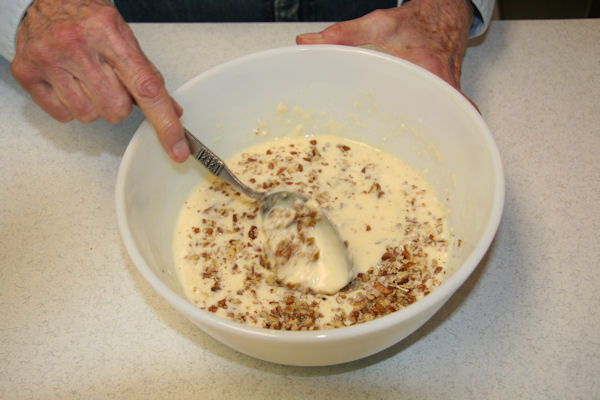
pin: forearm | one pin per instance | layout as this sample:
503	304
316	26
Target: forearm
442	23
482	14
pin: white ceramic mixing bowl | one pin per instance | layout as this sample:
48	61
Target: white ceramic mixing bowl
358	93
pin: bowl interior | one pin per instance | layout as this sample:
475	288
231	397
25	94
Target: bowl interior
361	94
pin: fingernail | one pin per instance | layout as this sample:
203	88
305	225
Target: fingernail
181	150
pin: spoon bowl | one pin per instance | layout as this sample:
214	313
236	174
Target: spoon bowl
331	270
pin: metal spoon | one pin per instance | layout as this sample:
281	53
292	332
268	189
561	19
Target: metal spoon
339	271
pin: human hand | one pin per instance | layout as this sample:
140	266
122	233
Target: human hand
429	33
79	59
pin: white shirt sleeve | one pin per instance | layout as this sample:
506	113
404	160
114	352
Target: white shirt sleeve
11	13
483	15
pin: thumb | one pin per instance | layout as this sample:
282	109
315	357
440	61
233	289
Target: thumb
350	33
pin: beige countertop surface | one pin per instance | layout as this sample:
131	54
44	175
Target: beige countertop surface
79	321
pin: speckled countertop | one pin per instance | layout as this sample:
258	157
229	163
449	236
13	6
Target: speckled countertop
79	321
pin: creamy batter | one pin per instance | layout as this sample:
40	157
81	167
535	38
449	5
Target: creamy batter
394	228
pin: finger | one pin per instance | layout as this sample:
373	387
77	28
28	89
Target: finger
71	94
45	97
356	32
89	88
148	90
52	77
146	86
41	91
105	91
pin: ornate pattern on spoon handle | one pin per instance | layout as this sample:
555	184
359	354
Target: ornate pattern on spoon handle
203	154
216	166
207	158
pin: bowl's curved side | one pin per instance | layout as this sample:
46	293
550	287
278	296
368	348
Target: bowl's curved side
151	189
318	350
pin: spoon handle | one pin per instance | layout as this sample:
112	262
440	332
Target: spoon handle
216	166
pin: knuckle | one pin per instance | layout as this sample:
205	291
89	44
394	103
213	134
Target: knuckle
26	75
117	110
104	20
84	111
103	15
382	18
108	14
149	86
20	72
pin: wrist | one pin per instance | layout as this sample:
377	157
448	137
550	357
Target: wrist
461	11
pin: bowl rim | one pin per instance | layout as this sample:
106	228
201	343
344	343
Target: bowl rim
439	295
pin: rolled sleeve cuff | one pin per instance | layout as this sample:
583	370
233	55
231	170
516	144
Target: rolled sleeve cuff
11	13
483	16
